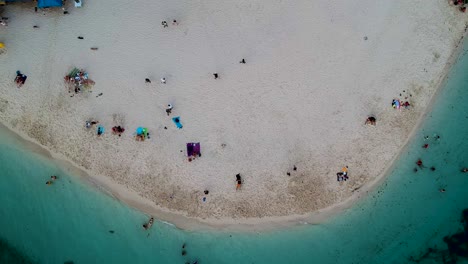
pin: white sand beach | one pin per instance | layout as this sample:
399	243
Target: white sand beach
315	70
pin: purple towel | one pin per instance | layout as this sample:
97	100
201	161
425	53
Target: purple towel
193	149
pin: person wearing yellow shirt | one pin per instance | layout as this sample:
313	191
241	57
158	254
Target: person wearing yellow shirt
345	170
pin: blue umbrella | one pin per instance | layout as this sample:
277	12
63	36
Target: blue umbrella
139	130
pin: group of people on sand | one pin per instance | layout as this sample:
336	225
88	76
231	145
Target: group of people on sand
461	3
4	21
343	174
118	130
165	25
397	104
52	179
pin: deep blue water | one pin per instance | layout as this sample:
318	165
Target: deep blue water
399	221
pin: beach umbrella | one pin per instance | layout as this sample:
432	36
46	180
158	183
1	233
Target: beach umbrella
139	130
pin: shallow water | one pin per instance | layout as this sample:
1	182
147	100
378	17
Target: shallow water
406	215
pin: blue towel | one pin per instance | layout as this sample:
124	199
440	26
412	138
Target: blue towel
176	121
100	130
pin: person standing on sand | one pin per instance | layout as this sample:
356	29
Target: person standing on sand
215	75
147	80
169	109
163	80
242	61
175	23
164	24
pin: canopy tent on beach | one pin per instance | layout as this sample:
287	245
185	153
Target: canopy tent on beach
49	3
40	3
77	80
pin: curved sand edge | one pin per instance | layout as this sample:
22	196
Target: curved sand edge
180	220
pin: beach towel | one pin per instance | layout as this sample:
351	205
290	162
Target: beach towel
100	130
193	149
176	121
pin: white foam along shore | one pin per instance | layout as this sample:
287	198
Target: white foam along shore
314	72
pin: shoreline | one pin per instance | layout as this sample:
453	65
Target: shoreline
108	187
138	184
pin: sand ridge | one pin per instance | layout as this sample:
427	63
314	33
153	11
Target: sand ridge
314	72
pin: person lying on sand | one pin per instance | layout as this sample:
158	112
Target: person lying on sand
239	181
91	123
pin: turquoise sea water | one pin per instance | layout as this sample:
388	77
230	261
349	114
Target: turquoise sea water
396	223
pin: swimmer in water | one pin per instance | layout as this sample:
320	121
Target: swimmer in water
53	177
49	183
425	146
419	163
442	190
464	170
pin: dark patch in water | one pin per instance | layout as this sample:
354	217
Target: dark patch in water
9	254
457	246
69	262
